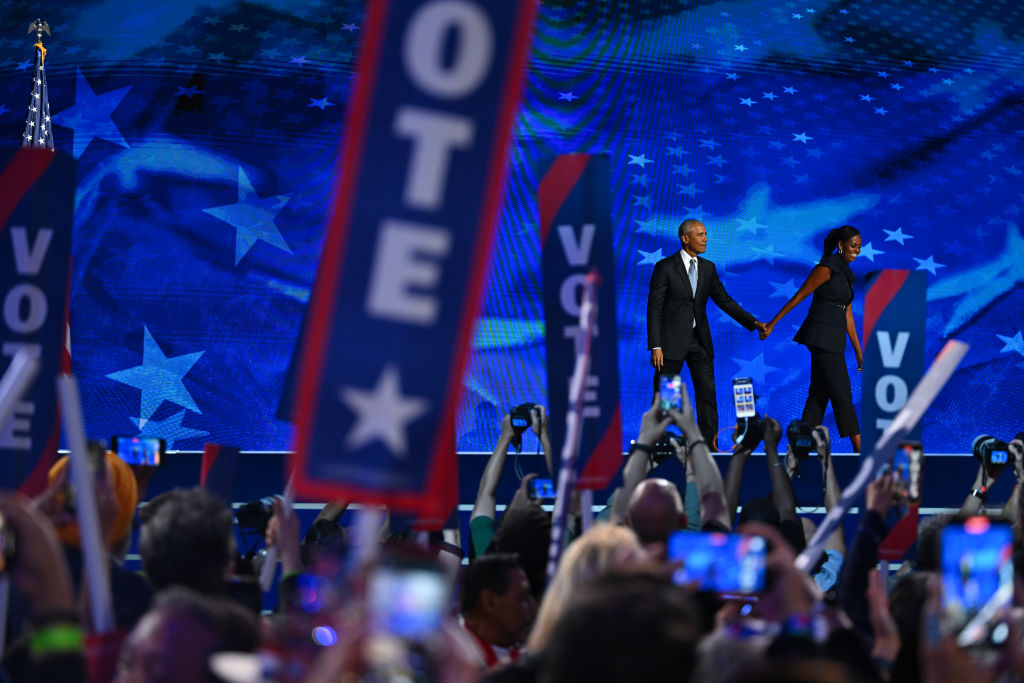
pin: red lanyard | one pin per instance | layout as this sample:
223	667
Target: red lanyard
490	657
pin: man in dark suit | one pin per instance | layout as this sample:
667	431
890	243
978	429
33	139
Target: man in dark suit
677	321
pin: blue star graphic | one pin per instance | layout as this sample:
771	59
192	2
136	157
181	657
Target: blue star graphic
896	235
927	264
751	225
217	56
756	369
567	96
802	137
252	217
881	110
650	257
1014	344
867	98
770	96
740	48
89	117
976	288
747	102
784	290
298	60
790	90
170	430
159	377
22	66
869	252
640	160
647	226
320	104
768	254
690	190
694	212
189	91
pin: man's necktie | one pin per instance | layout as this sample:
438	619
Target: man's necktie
693	282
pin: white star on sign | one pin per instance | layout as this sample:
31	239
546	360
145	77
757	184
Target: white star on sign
382	413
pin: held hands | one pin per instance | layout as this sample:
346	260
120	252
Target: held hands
763	329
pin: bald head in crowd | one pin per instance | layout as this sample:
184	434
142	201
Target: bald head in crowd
655	511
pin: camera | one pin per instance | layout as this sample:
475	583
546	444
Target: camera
749	430
256	514
991	451
522	416
666	447
800	440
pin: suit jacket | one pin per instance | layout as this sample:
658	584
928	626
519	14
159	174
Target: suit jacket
672	306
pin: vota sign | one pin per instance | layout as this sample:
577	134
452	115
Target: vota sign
409	239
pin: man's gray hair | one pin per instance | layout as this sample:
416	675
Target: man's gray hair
688	225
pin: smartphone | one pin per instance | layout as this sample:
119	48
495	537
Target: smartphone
722	563
139	450
671	388
542	489
743	397
977	579
906	470
406	601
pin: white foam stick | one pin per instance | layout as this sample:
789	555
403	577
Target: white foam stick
925	392
16	381
93	548
573	428
269	567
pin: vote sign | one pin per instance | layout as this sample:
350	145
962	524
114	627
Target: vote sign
407	246
894	319
37	193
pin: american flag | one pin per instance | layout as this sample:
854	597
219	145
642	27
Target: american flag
38	131
207	135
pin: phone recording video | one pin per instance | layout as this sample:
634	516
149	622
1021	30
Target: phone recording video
406	602
139	450
743	397
722	563
671	388
906	472
542	490
977	580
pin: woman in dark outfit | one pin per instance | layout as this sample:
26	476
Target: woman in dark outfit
829	321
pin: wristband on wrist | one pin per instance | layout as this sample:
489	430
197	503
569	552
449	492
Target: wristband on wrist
980	494
694	443
642	447
57	639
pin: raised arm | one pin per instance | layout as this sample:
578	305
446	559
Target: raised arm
783	496
539	425
652	428
722	299
819	276
709	478
486	503
734	477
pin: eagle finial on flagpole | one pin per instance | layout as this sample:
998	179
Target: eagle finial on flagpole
39	26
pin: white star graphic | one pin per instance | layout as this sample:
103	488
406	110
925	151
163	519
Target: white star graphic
639	159
382	413
650	257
